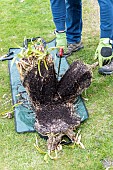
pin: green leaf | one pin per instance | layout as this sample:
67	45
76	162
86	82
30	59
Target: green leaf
46	158
17	104
13	61
45	64
39	150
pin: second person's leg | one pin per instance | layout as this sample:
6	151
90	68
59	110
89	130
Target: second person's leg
73	21
104	49
73	25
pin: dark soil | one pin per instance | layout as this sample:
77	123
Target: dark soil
50	98
56	118
46	89
42	88
76	79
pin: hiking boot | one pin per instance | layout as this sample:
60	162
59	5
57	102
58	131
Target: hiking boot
73	48
107	69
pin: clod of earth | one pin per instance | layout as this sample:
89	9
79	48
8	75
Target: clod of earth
52	100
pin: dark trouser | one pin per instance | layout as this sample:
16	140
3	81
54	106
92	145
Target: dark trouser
106	18
69	13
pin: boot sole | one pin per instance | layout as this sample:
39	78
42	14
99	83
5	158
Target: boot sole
105	73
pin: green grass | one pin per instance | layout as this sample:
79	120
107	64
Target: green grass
17	152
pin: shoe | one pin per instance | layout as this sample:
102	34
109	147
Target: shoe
106	69
73	48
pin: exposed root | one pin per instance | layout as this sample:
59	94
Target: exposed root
94	65
8	115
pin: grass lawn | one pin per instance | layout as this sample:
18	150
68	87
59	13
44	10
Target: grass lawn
17	152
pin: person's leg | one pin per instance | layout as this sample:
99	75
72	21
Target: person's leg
73	26
58	9
106	18
104	50
73	21
112	22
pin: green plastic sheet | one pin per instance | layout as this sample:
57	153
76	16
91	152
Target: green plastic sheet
23	114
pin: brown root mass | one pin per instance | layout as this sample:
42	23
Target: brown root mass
56	118
74	82
41	88
52	100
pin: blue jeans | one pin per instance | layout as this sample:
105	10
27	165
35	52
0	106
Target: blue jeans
67	15
106	18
